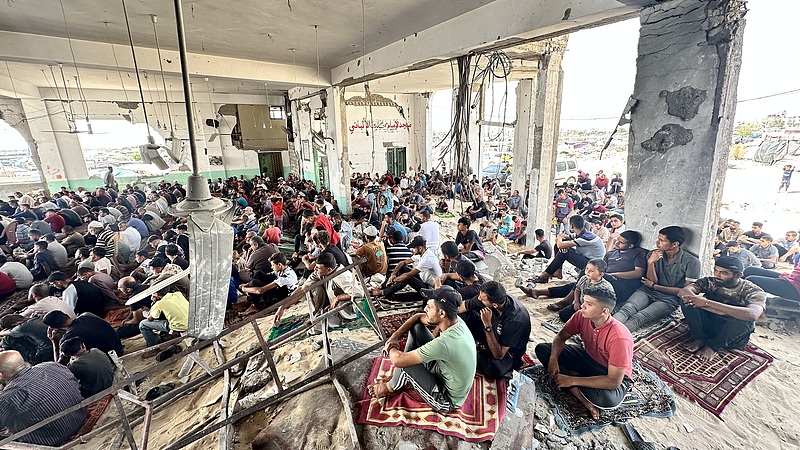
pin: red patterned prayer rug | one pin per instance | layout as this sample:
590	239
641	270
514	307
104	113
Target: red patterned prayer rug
115	317
94	412
476	421
712	384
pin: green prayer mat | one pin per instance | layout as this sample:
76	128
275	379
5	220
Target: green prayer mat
290	323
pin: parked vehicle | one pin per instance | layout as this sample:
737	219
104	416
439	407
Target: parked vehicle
566	171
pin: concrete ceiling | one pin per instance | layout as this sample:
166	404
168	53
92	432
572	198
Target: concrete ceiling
236	46
260	30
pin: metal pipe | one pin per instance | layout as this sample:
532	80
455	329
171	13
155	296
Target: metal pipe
187	91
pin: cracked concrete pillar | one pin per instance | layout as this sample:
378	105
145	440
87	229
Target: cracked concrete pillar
523	132
681	121
338	155
65	160
422	133
538	119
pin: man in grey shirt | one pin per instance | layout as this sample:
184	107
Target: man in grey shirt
669	269
577	248
744	255
765	252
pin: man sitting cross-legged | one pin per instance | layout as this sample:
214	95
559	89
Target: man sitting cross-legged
669	269
425	269
599	373
721	310
577	249
274	287
441	369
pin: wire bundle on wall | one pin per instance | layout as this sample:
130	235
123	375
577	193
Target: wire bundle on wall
498	66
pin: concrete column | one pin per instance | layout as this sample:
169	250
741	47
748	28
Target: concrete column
542	137
64	160
523	132
13	113
681	123
338	155
419	155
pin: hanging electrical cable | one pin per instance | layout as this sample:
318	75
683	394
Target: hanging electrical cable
150	139
154	19
71	121
116	64
58	92
81	97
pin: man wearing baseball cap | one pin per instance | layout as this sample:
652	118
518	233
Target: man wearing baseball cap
721	311
440	369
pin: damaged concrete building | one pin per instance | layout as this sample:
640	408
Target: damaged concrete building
298	88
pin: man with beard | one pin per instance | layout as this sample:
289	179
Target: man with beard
721	310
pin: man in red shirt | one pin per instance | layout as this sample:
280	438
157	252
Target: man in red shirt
321	220
55	221
599	372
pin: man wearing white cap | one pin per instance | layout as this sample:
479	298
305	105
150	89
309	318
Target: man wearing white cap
373	251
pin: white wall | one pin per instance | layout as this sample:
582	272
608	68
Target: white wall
383	127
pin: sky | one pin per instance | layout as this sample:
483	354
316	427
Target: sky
600	68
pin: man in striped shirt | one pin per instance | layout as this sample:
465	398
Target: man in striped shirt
33	394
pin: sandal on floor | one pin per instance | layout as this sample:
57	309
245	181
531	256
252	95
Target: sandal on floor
558	306
635	439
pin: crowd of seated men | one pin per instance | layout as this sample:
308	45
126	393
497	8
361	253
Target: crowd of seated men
289	235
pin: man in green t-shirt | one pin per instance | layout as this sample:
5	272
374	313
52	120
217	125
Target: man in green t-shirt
440	369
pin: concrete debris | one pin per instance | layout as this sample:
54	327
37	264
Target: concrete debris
255	381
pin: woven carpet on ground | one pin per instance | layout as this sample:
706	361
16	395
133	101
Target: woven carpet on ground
94	412
555	324
649	397
444	215
712	384
8	302
115	317
476	421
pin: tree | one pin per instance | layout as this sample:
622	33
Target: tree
745	129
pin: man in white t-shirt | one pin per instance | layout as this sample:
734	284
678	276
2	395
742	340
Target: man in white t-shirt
130	236
425	270
17	271
429	231
45	303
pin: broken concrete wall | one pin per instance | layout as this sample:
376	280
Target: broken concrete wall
685	94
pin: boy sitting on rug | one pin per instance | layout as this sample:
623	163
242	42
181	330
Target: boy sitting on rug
721	311
599	373
440	369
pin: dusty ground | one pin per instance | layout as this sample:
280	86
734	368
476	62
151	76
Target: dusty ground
764	415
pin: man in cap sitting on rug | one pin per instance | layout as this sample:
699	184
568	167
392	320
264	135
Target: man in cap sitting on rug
599	372
441	369
721	311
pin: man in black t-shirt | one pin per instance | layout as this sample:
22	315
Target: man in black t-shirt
753	236
478	209
501	326
93	331
543	248
469	240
